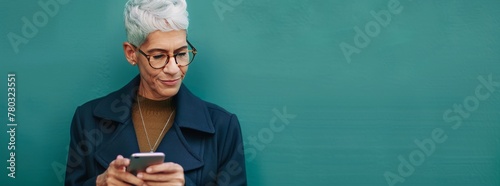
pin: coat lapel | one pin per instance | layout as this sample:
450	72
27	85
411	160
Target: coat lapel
191	121
177	150
117	107
123	142
191	114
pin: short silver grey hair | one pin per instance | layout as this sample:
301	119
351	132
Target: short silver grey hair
143	17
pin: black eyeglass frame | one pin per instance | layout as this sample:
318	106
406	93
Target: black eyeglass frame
194	51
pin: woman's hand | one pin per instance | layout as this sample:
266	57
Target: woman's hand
170	174
116	174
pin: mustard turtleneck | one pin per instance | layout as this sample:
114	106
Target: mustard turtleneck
155	114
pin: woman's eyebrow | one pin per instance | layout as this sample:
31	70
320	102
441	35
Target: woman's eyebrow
180	48
166	51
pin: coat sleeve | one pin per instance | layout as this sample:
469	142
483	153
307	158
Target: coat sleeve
231	170
77	172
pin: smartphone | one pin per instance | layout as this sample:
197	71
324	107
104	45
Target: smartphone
140	161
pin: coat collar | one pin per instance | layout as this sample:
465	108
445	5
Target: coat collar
191	110
192	113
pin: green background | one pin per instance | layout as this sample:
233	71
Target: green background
352	119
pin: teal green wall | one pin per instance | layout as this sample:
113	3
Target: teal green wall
311	114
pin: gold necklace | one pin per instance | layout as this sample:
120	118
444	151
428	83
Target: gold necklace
144	125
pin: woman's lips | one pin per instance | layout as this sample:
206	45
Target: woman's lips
170	82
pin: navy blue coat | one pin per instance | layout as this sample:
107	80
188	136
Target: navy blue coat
205	139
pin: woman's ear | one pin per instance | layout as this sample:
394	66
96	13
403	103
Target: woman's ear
129	51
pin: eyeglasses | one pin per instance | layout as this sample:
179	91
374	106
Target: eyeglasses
160	60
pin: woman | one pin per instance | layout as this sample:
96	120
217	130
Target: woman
155	112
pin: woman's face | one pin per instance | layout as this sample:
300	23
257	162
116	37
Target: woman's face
159	84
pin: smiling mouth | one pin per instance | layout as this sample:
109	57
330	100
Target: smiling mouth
170	82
